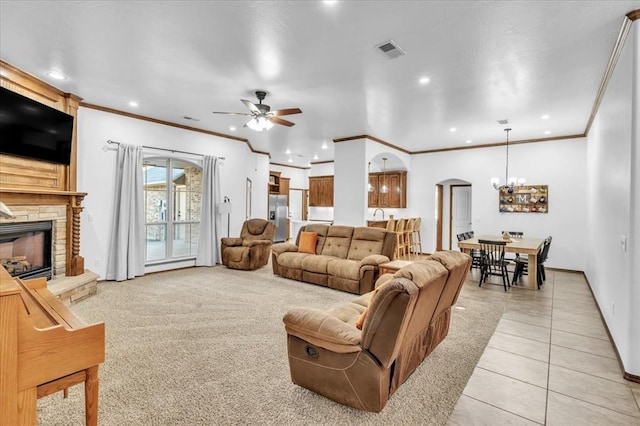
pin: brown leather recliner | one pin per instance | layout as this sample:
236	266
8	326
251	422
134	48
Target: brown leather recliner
406	317
252	249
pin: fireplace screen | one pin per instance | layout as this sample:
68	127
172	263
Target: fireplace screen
25	249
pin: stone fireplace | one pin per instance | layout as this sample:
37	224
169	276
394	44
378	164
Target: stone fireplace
67	288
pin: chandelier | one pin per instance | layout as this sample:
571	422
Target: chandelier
510	181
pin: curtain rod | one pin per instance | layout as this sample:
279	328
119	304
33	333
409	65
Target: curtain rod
164	149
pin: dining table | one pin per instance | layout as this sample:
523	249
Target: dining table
529	246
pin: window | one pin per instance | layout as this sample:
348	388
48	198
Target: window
172	203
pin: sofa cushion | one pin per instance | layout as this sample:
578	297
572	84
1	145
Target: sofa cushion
317	263
365	242
338	241
292	259
344	268
308	242
321	230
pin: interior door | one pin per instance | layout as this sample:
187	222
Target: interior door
460	213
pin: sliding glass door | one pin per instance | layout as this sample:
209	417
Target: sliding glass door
173	200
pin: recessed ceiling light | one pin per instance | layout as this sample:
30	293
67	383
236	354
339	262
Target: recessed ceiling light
424	80
290	160
452	129
330	2
315	157
545	117
288	151
233	129
56	75
547	132
324	146
133	104
469	141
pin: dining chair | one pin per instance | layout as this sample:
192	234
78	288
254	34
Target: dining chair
493	262
476	255
522	264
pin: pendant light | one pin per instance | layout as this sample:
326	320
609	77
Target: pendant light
384	188
510	181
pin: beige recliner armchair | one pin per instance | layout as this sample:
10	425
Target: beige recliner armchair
401	322
252	249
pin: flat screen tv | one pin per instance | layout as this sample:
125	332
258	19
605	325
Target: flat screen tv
33	130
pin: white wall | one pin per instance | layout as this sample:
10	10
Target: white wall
559	164
613	184
96	172
350	183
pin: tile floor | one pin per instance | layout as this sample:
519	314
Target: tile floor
549	362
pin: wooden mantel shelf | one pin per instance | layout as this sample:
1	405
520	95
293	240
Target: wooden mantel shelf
38	196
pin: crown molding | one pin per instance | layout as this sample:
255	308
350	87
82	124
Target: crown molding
171	124
289	165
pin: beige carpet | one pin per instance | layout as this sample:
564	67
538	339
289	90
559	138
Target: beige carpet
207	346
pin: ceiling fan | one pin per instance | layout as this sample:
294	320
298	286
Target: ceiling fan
262	118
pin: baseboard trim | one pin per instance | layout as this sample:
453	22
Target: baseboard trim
625	375
631	377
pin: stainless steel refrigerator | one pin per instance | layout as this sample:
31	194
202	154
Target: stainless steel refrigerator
278	212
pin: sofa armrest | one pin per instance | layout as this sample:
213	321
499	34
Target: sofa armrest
374	260
284	247
258	243
231	241
322	329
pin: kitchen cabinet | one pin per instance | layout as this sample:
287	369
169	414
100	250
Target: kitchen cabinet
396	182
274	182
321	191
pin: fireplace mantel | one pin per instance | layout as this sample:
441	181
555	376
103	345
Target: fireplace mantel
38	196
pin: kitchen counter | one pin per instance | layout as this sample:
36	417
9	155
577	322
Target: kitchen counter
377	223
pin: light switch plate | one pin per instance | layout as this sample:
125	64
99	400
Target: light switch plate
623	242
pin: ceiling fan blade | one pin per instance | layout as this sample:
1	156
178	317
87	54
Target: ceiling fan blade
254	109
281	121
230	113
287	111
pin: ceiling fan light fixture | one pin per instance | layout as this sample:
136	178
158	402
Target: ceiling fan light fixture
260	124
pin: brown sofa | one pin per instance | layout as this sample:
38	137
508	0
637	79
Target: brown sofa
406	317
251	250
346	258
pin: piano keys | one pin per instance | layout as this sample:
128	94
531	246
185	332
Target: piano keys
44	348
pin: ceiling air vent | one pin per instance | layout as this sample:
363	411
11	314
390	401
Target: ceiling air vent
505	121
391	50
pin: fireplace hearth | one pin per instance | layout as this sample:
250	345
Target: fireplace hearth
25	249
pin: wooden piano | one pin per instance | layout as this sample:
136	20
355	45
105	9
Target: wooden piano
44	348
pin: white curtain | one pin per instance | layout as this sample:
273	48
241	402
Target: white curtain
210	221
127	245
